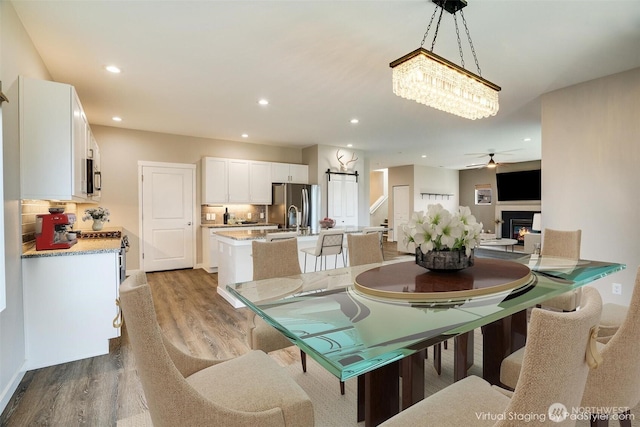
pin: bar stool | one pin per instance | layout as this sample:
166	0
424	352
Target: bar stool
329	243
380	231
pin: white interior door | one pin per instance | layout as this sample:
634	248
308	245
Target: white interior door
401	212
167	216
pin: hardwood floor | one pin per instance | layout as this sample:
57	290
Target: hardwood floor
101	390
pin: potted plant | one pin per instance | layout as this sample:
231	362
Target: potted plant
99	216
444	240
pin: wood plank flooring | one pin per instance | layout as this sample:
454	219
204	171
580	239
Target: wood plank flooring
101	390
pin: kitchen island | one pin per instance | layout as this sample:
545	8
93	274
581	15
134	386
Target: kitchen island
235	264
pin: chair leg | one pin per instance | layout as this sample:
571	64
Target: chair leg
600	420
305	263
625	418
303	360
342	388
446	345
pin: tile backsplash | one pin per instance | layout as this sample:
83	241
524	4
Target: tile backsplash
246	212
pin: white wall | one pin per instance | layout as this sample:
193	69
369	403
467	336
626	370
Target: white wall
590	171
19	56
435	180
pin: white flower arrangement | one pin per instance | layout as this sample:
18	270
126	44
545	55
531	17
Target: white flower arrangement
99	214
439	229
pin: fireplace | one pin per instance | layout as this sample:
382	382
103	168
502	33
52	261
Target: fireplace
516	224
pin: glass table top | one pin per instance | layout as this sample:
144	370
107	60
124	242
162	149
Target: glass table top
350	333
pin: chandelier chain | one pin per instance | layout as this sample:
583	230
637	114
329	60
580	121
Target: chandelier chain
435	35
473	51
459	42
424	38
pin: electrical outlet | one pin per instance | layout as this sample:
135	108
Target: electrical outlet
248	215
261	215
616	289
208	217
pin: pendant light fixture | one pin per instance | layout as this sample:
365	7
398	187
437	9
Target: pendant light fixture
429	79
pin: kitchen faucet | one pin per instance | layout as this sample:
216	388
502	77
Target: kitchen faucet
297	213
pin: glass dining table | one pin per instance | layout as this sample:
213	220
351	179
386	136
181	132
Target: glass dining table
376	321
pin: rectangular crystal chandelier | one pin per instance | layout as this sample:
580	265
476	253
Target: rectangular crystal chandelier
431	80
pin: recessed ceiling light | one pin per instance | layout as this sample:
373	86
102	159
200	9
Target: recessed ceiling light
245	135
424	156
349	145
263	102
112	69
527	139
116	119
355	121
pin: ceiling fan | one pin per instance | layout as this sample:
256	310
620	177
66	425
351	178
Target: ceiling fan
490	164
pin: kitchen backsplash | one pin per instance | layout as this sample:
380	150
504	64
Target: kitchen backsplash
245	212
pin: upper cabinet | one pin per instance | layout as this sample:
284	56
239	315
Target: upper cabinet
287	172
54	141
235	181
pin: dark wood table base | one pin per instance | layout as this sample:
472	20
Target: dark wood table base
379	390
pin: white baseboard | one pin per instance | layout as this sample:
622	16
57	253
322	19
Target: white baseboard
11	388
235	302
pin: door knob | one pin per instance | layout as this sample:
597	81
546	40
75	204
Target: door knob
189	223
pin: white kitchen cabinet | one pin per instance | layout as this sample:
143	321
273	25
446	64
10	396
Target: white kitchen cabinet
235	181
260	183
53	141
69	307
238	179
289	172
214	180
210	247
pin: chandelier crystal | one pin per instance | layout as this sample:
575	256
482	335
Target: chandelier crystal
429	79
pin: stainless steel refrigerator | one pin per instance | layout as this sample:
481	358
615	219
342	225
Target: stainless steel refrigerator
293	201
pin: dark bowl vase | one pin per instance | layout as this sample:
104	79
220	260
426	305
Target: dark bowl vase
444	260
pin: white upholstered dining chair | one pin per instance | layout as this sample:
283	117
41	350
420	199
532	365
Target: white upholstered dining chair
554	370
261	335
563	244
616	382
181	389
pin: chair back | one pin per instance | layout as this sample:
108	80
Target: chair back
564	244
269	237
554	367
168	394
364	249
329	243
278	258
616	382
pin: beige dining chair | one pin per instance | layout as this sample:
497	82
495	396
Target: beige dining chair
363	249
554	370
261	335
181	389
563	244
616	382
380	232
329	243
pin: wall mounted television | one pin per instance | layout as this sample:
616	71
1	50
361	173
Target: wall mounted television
521	185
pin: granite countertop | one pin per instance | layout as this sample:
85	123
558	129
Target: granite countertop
260	234
83	247
259	224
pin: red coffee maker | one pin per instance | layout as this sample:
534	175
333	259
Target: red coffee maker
51	230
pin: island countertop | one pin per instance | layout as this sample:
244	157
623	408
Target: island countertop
223	226
261	234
